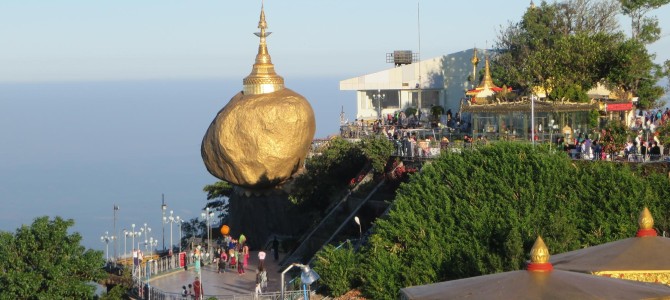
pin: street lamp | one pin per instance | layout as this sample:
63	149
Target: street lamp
106	239
172	219
126	233
116	208
150	244
163	208
360	230
308	276
146	230
532	118
134	234
207	215
179	224
379	97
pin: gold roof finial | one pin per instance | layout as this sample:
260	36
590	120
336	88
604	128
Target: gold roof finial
646	223
263	78
539	257
539	253
532	4
475	59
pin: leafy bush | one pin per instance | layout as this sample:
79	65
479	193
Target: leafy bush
377	150
338	268
479	212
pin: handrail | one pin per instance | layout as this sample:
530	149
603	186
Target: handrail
353	213
323	220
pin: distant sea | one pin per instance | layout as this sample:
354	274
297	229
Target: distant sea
75	149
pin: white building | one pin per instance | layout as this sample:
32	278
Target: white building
441	80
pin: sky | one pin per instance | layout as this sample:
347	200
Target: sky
105	102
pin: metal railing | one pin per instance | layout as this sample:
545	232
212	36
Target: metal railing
152	293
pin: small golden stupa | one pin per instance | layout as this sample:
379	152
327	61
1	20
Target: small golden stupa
262	136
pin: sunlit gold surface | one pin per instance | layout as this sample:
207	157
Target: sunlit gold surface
262	136
259	141
645	221
652	276
487	81
539	253
263	78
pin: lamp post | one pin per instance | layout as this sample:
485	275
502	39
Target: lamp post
379	97
106	239
163	208
532	118
146	230
360	230
172	219
308	276
126	233
134	234
116	208
207	215
150	244
179	224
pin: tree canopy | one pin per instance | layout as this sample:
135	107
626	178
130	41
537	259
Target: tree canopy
43	261
567	47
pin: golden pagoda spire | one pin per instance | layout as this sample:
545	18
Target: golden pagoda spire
532	4
487	82
539	257
475	62
263	78
646	223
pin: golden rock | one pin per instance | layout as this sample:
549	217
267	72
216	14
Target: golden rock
259	141
262	136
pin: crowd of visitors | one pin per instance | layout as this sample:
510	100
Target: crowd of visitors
229	255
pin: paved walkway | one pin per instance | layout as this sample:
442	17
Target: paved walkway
225	283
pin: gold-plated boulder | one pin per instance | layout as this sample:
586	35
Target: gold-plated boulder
259	141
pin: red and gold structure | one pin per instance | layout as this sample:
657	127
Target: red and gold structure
539	281
641	258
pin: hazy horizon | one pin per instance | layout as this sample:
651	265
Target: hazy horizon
76	149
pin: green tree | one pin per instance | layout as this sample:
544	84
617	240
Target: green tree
43	261
644	28
338	268
327	173
217	197
567	47
377	150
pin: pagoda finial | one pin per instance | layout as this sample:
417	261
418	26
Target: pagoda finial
646	223
539	257
263	78
532	4
487	81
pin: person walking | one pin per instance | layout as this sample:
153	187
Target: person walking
240	262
